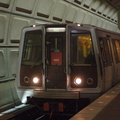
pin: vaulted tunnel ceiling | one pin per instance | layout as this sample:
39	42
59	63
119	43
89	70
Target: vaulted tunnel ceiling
115	3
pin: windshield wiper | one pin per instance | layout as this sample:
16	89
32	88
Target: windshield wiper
36	61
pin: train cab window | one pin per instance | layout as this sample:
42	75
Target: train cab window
32	49
56	50
81	48
56	44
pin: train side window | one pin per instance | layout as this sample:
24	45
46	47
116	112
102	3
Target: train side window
117	49
105	51
81	48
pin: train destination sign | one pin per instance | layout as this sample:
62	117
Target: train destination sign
60	29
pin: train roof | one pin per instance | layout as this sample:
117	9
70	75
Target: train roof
101	29
85	25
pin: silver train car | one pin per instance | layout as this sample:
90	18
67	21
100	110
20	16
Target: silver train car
66	62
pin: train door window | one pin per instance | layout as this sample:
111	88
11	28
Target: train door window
32	49
82	48
105	51
56	50
117	49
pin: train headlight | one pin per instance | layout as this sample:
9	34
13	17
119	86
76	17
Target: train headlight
36	80
77	81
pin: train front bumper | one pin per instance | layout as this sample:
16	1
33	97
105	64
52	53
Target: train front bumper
57	94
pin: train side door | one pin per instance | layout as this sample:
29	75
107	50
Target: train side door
109	40
55	61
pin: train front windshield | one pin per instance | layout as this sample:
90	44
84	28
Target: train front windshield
31	63
81	48
32	48
82	59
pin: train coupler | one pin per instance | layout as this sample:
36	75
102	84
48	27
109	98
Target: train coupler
57	107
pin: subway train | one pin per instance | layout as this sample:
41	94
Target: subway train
62	64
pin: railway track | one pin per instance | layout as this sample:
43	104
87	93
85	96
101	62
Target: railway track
32	113
12	113
54	117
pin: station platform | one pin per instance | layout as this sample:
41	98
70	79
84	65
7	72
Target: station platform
106	107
